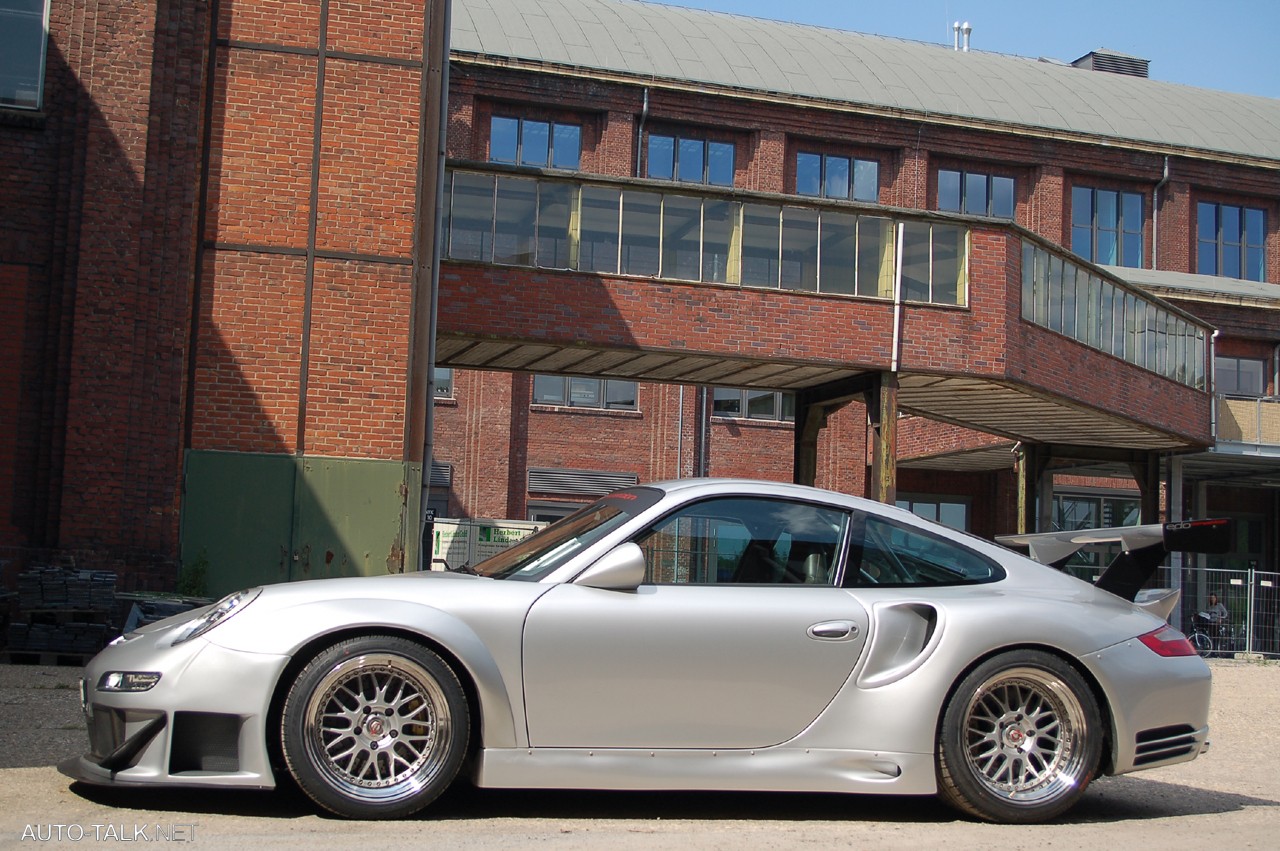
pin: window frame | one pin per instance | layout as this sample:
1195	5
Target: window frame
1219	244
1221	361
989	180
824	172
553	125
780	404
40	61
1122	235
678	144
601	393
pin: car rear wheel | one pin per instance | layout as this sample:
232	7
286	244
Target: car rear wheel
1021	739
374	727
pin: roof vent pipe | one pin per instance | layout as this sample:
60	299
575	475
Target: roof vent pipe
955	36
966	30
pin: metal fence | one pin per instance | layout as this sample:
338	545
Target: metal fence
1252	601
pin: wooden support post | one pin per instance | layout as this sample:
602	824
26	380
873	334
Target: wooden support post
882	409
1033	458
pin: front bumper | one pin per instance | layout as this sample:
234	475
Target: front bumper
204	723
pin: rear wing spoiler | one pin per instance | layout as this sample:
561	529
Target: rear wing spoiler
1144	548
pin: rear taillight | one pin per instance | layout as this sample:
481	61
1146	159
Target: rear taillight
1167	641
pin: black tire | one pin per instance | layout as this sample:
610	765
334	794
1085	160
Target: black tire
1202	643
374	727
1021	738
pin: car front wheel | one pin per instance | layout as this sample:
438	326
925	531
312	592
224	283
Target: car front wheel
374	727
1021	738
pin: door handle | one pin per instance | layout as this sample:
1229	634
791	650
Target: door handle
834	630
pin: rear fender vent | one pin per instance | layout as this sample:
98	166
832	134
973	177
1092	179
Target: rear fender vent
1164	743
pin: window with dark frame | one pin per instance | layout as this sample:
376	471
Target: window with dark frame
1106	226
24	36
443	382
688	159
1239	376
1231	241
544	144
975	193
575	392
738	403
829	176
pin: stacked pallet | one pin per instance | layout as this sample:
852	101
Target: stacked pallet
64	615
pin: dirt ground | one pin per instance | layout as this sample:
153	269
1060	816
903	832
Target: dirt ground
1229	798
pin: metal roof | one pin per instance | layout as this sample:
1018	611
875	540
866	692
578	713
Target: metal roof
1203	287
666	44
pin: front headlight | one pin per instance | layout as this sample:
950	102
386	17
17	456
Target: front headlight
215	614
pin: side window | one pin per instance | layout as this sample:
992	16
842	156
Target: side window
883	552
746	541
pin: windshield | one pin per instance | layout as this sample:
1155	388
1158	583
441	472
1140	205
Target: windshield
539	554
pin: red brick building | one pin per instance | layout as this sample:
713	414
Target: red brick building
674	243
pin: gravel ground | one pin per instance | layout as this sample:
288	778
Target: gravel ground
1229	797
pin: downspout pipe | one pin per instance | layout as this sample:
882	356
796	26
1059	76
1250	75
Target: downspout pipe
644	115
1155	216
1213	385
419	442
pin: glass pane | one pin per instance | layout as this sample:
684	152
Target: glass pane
760	243
720	163
799	249
915	261
1131	250
598	244
1229	220
954	514
443	381
555	202
975	194
1251	380
835	182
471	217
514	223
1207	258
1086	307
1068	300
808	174
1081	207
1106	248
22	41
1207	221
1002	202
1108	213
662	157
1231	260
566	147
948	264
1255	259
839	253
1055	293
584	392
866	180
689	161
949	190
641	229
726	402
1107	317
1082	241
788	407
762	404
548	389
535	143
718	220
1255	226
875	257
504	136
620	395
681	229
1132	213
1028	280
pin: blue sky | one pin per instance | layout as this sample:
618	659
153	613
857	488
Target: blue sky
1229	45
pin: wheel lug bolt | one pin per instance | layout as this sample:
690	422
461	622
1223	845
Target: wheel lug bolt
357	731
395	733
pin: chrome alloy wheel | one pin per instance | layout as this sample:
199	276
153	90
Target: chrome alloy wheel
378	727
1022	733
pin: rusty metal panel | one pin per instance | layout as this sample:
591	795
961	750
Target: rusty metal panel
351	516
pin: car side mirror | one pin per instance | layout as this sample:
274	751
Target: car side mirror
620	569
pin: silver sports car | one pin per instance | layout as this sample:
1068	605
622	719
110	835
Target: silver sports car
701	634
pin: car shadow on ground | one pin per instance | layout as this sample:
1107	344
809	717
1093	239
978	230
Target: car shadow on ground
1110	800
